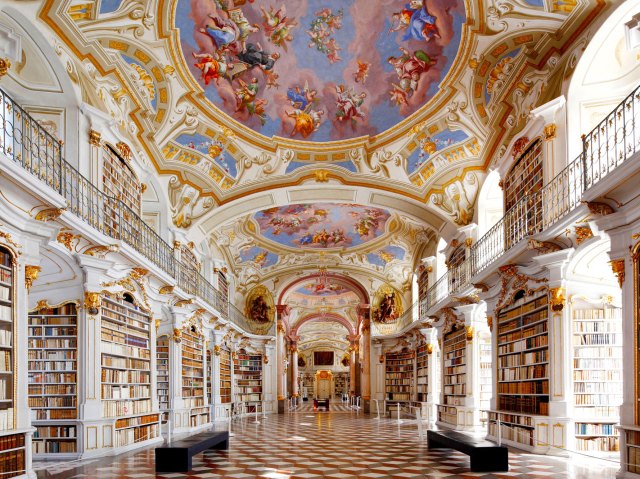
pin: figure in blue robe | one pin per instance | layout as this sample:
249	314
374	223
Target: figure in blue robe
422	25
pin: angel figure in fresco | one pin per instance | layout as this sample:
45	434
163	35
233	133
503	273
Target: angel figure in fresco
416	20
349	104
222	31
259	310
302	98
387	310
246	99
244	27
360	76
306	121
212	66
409	67
277	26
261	258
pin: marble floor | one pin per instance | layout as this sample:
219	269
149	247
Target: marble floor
331	445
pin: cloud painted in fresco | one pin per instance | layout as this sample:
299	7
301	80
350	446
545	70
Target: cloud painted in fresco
258	255
386	255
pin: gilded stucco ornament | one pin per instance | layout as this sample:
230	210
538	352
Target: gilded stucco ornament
92	301
66	238
557	298
458	198
167	289
217	349
469	333
177	335
617	266
101	251
321	176
583	233
5	64
49	214
30	275
550	131
429	348
95	138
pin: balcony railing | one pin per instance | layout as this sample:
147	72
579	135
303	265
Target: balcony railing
29	145
605	148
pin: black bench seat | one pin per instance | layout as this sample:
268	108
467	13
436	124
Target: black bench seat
486	456
175	456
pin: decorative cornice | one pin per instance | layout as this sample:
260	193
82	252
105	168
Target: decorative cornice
66	238
101	251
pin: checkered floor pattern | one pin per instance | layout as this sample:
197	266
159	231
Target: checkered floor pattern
307	407
329	445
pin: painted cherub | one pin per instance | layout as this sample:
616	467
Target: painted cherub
360	76
277	26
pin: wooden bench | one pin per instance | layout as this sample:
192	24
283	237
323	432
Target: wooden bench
486	456
175	456
321	403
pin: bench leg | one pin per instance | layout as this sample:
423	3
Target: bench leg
221	445
173	462
494	461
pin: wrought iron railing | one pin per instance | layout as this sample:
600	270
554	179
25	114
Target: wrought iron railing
28	144
605	148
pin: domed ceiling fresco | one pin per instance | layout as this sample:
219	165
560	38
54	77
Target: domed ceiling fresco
320	69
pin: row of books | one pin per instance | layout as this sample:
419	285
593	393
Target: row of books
455	379
5	360
125	314
125	408
52	343
597	399
523	333
600	429
249	397
597	363
610	444
136	421
596	411
538	405
52	365
594	387
540	386
597	352
6	276
524	344
52	388
5	337
50	331
125	392
519	419
399	388
604	313
45	355
191	402
6	313
54	431
454	400
6	420
131	376
13	462
512	433
124	437
125	363
52	401
53	447
52	320
588	339
454	388
126	340
44	378
47	414
523	372
123	350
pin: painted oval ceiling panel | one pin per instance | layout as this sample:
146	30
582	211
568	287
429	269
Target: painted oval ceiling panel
322	225
320	70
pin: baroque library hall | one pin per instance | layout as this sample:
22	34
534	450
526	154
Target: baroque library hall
411	251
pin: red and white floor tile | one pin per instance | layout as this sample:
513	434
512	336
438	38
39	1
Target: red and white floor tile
329	445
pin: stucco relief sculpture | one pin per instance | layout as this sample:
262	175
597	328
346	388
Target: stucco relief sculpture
458	199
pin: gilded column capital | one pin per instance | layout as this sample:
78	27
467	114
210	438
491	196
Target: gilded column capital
617	266
92	301
557	299
550	132
95	138
30	275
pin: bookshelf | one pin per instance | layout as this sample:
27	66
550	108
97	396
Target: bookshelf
209	377
422	373
225	375
399	376
119	181
12	445
126	370
423	291
53	379
597	376
341	385
454	378
247	372
162	366
193	381
522	370
485	382
525	177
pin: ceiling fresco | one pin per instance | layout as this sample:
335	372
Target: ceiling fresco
320	69
322	225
